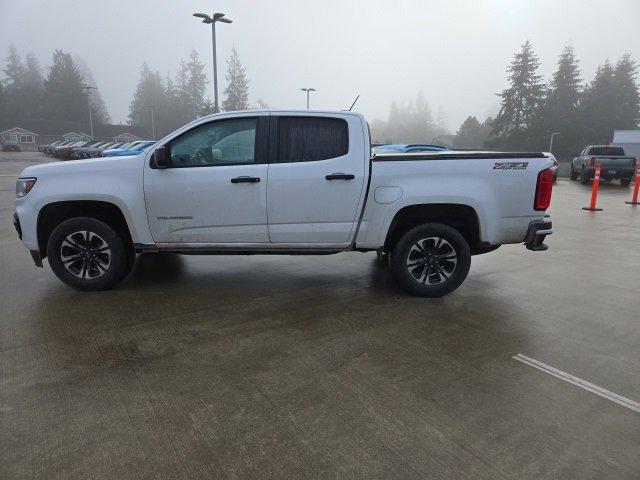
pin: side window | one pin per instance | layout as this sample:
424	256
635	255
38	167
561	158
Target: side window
222	142
307	139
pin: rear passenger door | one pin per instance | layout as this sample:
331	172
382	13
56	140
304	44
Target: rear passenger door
316	178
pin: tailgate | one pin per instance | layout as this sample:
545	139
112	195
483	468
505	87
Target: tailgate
615	162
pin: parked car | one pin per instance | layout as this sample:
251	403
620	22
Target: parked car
43	148
10	147
132	149
80	152
56	150
96	152
407	148
614	162
48	149
64	153
554	167
76	151
282	182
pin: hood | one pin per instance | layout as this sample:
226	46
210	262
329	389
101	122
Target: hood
96	165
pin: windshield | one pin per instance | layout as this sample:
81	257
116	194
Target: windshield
612	151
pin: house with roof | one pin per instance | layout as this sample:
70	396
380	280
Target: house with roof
25	139
44	132
629	140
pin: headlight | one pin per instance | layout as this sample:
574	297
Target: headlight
24	186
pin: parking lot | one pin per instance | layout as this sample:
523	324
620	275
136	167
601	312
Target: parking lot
277	366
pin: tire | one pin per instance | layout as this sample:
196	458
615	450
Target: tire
101	266
431	242
625	182
572	175
584	178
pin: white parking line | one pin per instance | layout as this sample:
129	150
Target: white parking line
590	387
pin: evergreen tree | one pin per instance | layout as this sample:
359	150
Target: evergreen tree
261	104
237	91
520	102
98	107
32	89
195	88
599	108
472	133
4	116
64	97
150	92
407	123
627	96
13	83
560	113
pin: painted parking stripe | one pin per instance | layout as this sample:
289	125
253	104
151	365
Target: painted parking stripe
578	382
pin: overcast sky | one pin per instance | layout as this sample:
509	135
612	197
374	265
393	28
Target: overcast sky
455	51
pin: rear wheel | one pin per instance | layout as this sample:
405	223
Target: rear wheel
87	254
431	260
572	175
625	182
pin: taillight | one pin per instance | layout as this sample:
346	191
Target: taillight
543	190
591	161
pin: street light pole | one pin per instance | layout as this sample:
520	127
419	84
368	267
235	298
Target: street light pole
86	89
216	108
308	90
217	17
153	122
551	141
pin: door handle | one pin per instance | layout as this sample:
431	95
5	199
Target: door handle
245	180
340	176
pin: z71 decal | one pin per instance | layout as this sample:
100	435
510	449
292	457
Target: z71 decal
510	165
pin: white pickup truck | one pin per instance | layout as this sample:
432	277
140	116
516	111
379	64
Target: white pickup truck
282	182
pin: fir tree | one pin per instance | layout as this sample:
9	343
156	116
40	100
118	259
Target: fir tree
237	91
64	97
521	101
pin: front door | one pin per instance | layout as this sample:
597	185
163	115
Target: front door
215	190
316	178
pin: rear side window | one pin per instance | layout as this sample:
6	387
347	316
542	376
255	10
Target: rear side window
611	151
306	139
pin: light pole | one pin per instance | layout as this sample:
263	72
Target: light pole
86	89
153	122
217	17
308	90
551	141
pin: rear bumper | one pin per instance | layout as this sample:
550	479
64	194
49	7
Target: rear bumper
536	234
611	173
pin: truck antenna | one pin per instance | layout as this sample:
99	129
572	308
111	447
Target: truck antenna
354	102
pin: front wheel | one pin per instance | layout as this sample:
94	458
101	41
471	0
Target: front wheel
431	260
87	254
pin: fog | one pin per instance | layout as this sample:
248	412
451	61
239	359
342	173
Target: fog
456	52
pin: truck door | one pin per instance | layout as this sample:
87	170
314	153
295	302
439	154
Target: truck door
215	190
316	177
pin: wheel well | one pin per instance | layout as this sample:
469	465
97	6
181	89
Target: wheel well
461	217
54	214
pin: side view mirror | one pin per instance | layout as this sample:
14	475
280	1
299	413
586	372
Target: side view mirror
160	159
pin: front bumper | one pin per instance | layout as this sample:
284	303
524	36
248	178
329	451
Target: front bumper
536	233
16	225
35	254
